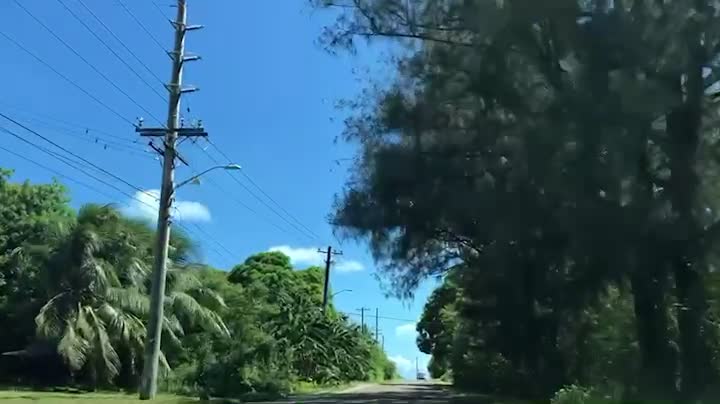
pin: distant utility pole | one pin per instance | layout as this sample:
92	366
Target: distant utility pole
362	317
328	261
377	324
169	134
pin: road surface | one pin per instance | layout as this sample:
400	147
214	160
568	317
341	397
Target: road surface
394	393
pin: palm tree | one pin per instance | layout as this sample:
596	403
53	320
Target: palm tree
97	296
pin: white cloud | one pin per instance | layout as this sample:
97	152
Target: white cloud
310	256
349	266
403	364
300	256
405	330
145	205
406	367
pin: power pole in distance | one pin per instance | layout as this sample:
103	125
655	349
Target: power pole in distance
328	261
362	317
377	324
170	134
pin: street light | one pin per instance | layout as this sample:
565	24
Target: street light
148	384
195	179
344	290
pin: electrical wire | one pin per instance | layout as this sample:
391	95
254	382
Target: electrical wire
160	10
230	254
61	175
108	29
87	62
56	172
108	47
106	172
74	165
248	207
405	320
147	31
55	122
254	195
93	138
64	77
194	234
290	215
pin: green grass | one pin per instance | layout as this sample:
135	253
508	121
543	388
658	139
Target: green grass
311	388
35	397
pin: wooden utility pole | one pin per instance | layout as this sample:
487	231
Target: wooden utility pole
362	317
169	134
377	324
328	261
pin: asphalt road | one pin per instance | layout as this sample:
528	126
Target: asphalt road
394	393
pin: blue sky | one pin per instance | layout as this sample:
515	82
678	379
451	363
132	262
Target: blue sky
267	99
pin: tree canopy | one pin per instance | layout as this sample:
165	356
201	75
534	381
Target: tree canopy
74	296
559	159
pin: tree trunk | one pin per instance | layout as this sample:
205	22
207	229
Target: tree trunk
658	359
683	125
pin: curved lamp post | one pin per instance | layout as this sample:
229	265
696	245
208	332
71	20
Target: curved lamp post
195	179
337	293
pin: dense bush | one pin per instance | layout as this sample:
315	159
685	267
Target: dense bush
74	297
557	163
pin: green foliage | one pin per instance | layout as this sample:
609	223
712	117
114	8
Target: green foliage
559	160
573	395
84	279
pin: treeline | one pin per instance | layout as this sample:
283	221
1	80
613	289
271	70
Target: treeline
74	301
556	162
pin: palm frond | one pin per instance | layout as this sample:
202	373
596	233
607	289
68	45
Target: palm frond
123	326
134	271
105	353
208	298
49	321
72	347
129	299
180	280
185	306
172	324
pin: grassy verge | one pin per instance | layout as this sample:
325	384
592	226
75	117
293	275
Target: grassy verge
311	388
39	397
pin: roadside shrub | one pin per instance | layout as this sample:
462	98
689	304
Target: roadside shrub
572	394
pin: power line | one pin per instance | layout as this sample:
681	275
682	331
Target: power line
56	172
74	165
87	62
290	215
160	10
237	200
108	29
63	159
147	31
405	320
108	47
254	195
93	138
230	254
196	235
71	153
64	77
52	121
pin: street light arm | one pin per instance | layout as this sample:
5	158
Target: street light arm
344	290
196	176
